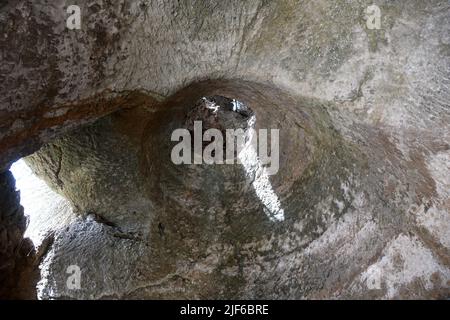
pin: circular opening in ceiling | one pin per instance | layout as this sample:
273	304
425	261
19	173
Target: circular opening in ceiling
231	117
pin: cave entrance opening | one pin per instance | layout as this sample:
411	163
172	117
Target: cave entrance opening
45	209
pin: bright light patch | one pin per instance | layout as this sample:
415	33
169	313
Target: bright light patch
45	209
261	183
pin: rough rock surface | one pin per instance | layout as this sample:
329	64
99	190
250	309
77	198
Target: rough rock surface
202	231
17	255
364	130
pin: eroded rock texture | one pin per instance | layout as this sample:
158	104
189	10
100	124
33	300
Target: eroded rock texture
363	185
17	257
